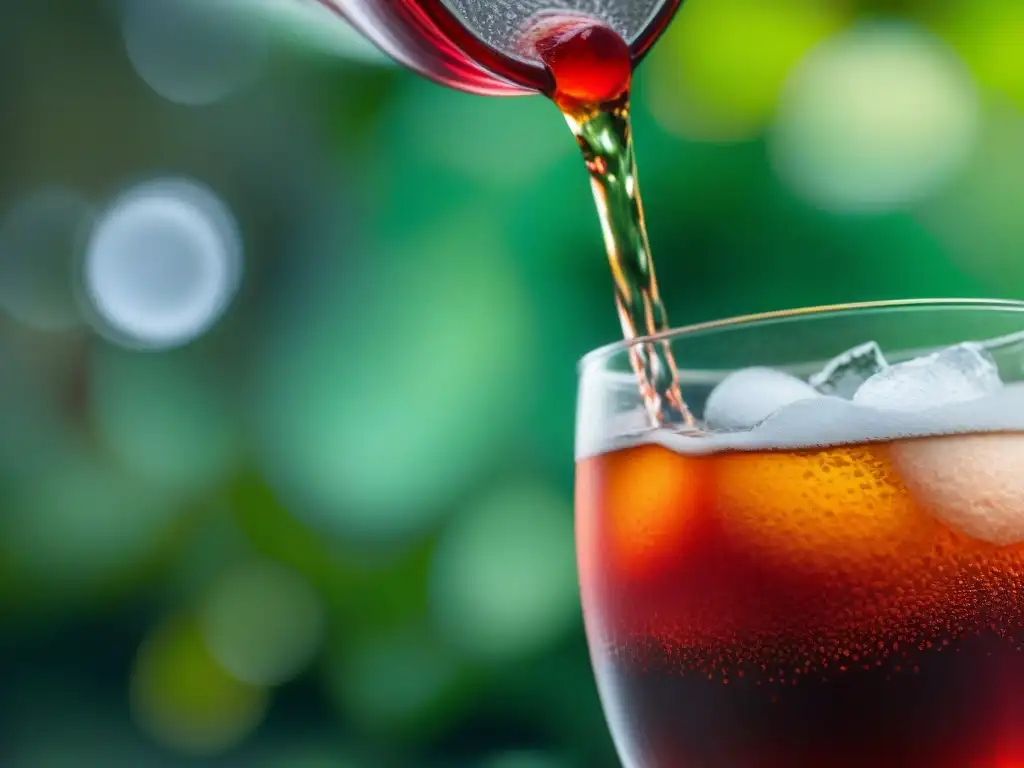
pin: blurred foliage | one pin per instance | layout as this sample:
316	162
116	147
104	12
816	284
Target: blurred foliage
332	526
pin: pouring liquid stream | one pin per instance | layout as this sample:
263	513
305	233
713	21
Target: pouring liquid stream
591	71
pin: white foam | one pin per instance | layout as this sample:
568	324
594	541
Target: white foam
816	423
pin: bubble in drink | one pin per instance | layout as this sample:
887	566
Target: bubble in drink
964	372
833	587
845	374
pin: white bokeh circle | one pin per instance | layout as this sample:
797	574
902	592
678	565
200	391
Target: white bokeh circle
162	265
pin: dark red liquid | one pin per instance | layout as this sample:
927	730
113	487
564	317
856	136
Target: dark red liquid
958	709
804	609
425	36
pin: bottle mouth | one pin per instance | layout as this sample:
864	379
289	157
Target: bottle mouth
507	28
477	45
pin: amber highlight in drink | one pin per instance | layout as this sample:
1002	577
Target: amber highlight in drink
808	608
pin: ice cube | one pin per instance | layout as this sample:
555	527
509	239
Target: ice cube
844	375
953	375
747	397
973	483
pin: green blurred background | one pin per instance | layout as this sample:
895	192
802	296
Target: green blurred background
287	354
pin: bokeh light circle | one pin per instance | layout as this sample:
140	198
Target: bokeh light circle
184	699
192	52
503	577
162	265
717	73
263	623
370	431
876	118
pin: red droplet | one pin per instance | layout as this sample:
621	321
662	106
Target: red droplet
589	61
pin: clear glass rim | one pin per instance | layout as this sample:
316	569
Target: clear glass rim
827	310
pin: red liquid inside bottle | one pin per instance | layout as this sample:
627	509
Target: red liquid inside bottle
588	62
433	39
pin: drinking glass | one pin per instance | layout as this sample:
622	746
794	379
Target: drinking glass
838	586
